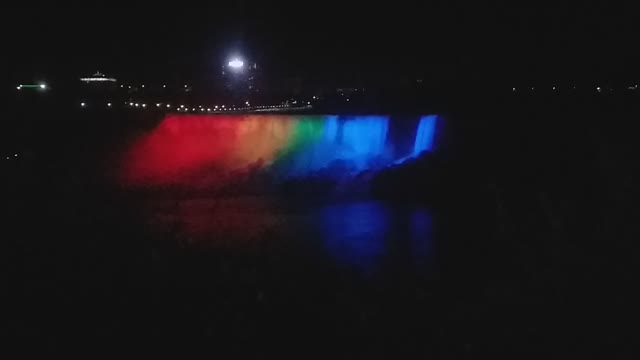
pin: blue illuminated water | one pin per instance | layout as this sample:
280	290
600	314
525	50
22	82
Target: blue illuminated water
362	235
425	134
349	144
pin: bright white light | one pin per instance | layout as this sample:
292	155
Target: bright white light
158	105
83	104
168	105
194	109
142	85
137	104
246	102
236	63
144	105
513	89
43	86
164	86
208	109
95	79
109	104
185	86
599	88
223	106
181	106
121	86
19	87
15	155
130	104
216	107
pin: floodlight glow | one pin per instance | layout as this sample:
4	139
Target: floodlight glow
236	63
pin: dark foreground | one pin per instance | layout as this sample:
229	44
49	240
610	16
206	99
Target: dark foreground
522	243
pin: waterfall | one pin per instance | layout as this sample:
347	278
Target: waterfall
425	134
224	146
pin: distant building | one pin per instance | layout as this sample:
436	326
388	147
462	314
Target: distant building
97	87
240	79
98	78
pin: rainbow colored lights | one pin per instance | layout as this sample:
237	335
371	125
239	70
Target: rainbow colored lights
217	147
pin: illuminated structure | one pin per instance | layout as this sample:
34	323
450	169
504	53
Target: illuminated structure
32	86
240	79
97	89
98	78
216	148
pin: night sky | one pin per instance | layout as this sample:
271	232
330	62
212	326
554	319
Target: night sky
444	42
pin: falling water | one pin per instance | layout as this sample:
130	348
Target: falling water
216	146
424	134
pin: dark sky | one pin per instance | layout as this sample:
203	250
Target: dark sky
443	41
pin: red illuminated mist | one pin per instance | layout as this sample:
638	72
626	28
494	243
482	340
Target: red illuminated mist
192	149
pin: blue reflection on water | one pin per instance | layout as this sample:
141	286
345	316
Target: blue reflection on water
365	235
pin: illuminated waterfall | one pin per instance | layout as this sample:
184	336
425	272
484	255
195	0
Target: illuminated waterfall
425	134
218	146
